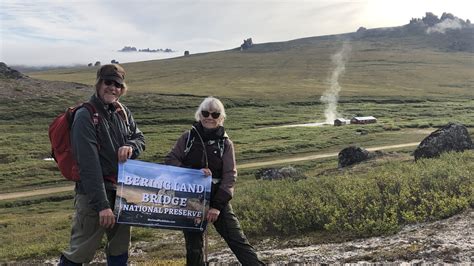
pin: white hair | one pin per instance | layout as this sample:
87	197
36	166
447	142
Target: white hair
211	104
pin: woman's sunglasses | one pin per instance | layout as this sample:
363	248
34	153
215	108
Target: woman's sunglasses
115	83
214	115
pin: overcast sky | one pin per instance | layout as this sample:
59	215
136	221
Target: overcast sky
48	32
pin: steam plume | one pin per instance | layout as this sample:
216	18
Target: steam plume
331	95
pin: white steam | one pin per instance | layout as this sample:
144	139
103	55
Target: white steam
331	95
446	24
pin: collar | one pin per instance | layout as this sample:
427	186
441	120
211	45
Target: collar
217	133
101	105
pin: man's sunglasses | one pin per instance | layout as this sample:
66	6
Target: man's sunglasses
214	115
115	83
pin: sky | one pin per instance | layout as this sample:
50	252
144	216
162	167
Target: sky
69	32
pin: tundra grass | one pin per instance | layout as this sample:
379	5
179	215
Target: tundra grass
251	125
369	199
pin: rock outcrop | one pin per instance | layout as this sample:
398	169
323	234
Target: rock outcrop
452	137
9	73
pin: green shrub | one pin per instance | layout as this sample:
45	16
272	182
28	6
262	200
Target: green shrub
391	127
362	204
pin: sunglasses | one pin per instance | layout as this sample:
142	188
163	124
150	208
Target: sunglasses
214	115
115	83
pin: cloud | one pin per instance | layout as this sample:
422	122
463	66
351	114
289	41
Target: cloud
99	27
34	20
444	25
54	54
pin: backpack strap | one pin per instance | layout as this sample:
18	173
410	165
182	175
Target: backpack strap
93	112
203	145
189	143
221	145
95	118
191	138
121	111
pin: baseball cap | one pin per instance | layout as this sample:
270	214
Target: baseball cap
111	72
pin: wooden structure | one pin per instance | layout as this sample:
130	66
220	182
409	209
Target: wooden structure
341	121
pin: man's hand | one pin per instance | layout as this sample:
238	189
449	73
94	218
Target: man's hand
213	214
106	218
206	171
124	153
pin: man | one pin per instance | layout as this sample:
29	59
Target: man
98	148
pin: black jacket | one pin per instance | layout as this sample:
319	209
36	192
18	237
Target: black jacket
223	167
96	151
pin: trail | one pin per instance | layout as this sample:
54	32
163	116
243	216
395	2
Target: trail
37	192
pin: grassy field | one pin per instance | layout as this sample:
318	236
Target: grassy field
24	141
411	89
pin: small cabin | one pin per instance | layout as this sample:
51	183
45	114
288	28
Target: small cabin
341	121
363	120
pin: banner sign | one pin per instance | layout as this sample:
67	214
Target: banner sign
155	195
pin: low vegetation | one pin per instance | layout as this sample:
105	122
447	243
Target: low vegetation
374	198
374	201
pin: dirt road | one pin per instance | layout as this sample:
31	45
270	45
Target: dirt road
321	156
37	192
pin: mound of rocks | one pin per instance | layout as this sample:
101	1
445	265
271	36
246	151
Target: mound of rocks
452	137
10	73
287	172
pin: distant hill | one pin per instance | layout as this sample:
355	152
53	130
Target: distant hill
16	85
447	34
404	62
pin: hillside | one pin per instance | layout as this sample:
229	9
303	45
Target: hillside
401	61
26	88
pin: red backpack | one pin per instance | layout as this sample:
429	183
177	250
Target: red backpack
59	136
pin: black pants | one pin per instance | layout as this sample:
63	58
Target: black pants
228	227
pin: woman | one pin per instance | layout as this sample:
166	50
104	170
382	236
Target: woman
206	146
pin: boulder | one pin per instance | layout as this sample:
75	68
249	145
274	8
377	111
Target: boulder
288	172
352	155
452	137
